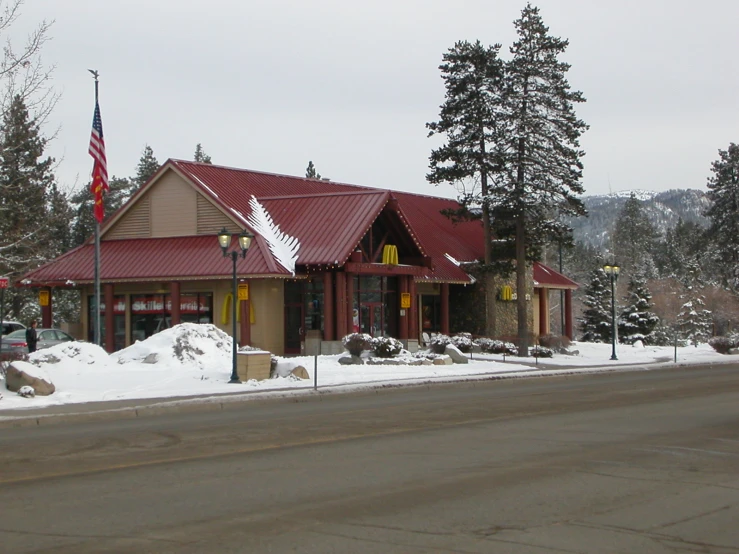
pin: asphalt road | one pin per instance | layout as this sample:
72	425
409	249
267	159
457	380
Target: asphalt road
635	462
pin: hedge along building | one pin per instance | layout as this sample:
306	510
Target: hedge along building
327	259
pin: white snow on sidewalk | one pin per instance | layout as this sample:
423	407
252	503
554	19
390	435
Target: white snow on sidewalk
194	360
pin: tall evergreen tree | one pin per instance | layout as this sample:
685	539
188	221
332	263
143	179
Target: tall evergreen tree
694	321
201	156
595	324
310	171
637	321
542	167
632	222
147	166
723	192
473	78
26	180
83	221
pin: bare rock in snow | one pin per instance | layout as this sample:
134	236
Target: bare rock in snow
443	360
300	372
455	354
351	360
21	374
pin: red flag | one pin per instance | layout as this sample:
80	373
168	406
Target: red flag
100	170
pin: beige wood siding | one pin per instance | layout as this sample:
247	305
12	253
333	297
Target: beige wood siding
210	219
268	330
135	224
174	205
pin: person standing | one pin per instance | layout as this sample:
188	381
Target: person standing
31	338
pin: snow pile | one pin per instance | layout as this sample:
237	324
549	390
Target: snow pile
189	344
79	352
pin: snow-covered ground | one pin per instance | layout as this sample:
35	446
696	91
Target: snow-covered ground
195	360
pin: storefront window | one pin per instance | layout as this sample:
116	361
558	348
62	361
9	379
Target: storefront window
151	313
119	321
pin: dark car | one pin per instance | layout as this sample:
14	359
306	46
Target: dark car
16	341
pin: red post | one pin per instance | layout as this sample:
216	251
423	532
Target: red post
404	319
46	311
543	311
445	308
174	297
109	319
568	314
350	303
328	306
341	323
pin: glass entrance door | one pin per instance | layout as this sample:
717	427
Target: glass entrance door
371	319
293	328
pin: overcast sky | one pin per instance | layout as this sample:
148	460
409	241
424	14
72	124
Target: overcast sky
269	85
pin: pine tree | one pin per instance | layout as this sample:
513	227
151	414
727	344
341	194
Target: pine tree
26	183
595	323
147	166
83	222
632	222
310	171
637	321
200	155
723	192
694	320
473	78
542	169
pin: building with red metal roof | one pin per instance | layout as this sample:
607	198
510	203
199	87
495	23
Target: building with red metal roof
327	259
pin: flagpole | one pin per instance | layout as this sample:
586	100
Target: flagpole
96	337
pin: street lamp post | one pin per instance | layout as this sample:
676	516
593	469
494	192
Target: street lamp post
224	239
612	272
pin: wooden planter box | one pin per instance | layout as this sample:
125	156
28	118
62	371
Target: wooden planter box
253	365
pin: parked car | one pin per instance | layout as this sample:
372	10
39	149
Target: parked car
16	341
10	326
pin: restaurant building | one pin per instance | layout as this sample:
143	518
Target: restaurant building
327	259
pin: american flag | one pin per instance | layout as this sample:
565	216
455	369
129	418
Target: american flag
100	170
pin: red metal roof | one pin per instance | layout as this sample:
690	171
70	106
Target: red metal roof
329	219
548	278
328	226
184	258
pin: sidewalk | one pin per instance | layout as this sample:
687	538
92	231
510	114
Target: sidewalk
132	408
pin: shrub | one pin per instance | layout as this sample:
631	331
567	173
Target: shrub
555	342
438	343
356	343
386	347
722	345
492	346
541	352
463	342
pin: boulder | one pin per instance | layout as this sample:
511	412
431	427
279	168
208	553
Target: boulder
21	374
733	350
455	354
351	360
300	372
443	359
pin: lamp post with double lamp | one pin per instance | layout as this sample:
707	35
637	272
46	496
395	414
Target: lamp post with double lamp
224	239
612	272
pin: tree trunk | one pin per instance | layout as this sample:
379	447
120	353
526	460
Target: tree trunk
523	322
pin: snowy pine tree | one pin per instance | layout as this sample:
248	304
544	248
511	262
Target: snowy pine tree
310	171
473	78
723	191
595	324
637	321
200	155
694	320
541	148
27	192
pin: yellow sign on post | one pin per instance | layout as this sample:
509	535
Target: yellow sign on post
405	300
243	291
43	298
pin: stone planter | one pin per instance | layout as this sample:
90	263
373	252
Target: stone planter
253	365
